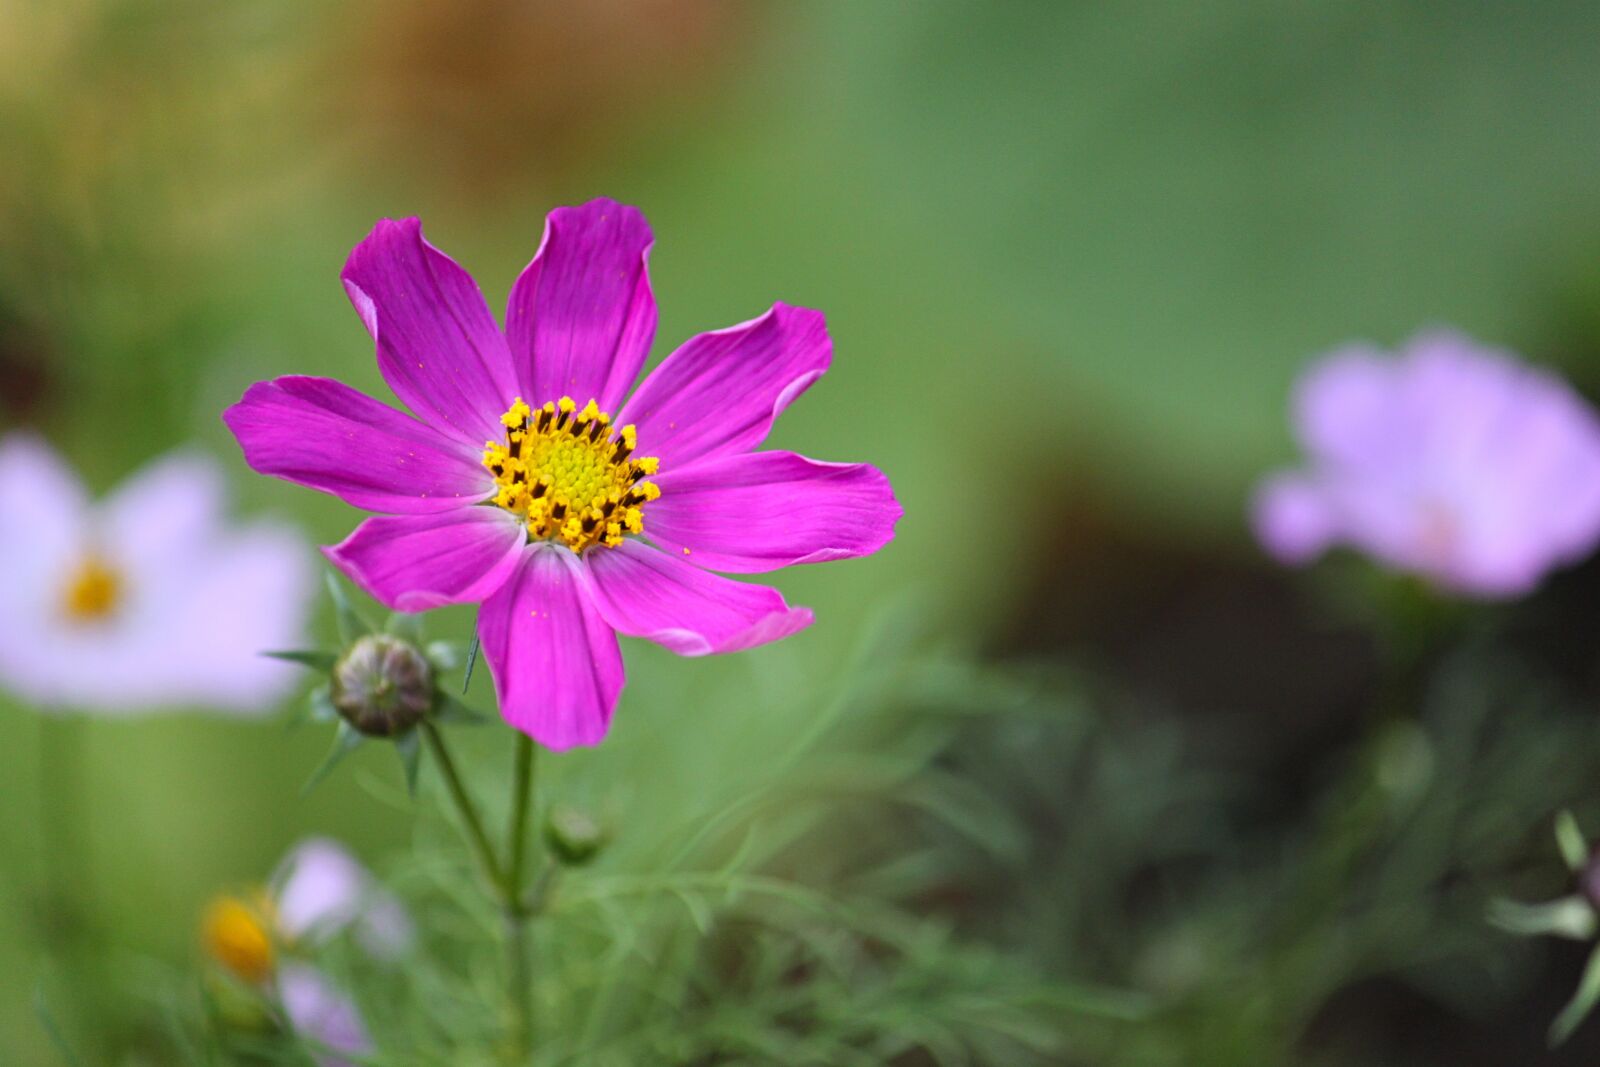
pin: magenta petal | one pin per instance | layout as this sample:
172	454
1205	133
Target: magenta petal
720	392
418	562
759	511
323	434
438	345
557	668
581	317
644	592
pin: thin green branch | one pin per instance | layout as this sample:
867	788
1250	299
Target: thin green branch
519	971
464	806
521	807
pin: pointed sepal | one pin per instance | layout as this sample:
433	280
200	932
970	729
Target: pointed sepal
446	655
1569	838
1569	917
319	705
1581	1004
408	746
405	625
315	658
472	661
351	626
345	741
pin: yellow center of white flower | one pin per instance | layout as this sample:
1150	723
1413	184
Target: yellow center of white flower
569	476
93	592
237	934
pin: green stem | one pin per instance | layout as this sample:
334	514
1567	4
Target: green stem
60	786
521	806
519	991
519	972
506	882
543	886
65	909
464	805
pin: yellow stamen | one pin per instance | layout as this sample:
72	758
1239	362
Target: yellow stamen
235	934
570	474
93	592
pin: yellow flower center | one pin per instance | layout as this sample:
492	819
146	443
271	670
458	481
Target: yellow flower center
569	475
236	934
93	591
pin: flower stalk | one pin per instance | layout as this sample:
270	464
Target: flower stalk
505	881
521	804
519	911
465	808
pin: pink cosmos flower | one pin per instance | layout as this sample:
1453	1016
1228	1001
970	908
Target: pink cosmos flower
1453	462
147	599
515	486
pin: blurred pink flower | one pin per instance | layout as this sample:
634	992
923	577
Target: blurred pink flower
321	889
148	599
558	564
1453	462
322	1014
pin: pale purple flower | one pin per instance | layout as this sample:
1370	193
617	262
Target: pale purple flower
1452	461
568	525
322	889
147	599
319	890
321	1014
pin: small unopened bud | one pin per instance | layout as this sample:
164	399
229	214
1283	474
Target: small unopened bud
382	686
573	836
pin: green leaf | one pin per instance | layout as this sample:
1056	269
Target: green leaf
1581	1004
351	627
405	625
699	911
408	746
1569	917
344	742
447	708
1574	849
315	658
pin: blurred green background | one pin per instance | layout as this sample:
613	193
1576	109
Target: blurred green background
1072	256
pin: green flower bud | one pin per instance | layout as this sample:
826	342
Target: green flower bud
573	835
382	686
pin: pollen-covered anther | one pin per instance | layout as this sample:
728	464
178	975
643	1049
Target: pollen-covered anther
571	474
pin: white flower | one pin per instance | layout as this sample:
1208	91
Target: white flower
147	599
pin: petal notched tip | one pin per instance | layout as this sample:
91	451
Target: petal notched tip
601	211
